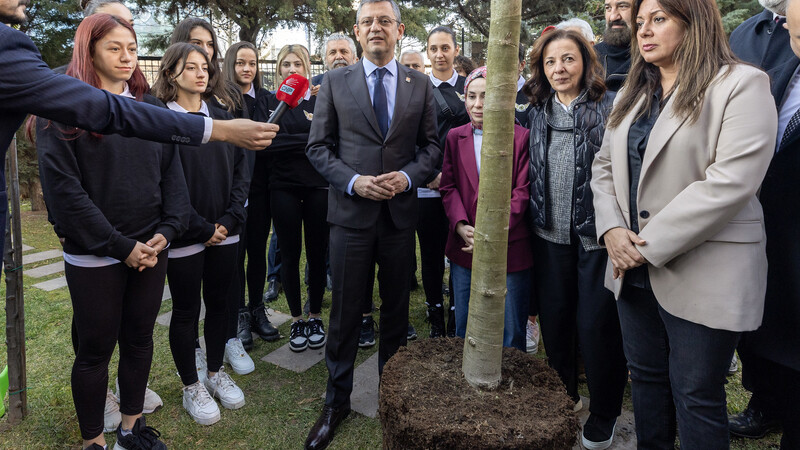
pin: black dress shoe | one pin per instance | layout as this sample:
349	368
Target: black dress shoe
321	433
273	289
752	423
451	322
243	331
262	327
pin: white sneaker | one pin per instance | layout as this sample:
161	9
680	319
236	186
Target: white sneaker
199	404
237	357
532	337
111	414
222	386
734	367
152	401
201	364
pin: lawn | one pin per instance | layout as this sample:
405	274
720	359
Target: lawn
281	405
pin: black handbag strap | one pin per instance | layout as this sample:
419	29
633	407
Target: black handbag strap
442	103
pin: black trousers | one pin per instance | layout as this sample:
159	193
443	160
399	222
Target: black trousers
353	257
259	219
213	269
299	213
575	308
432	231
776	392
112	304
237	287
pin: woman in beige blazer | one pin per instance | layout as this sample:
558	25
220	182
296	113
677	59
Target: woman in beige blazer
687	145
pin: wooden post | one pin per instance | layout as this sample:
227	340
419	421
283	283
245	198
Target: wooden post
15	312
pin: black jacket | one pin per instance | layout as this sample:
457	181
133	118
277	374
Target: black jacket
778	338
590	123
218	179
616	63
761	41
105	193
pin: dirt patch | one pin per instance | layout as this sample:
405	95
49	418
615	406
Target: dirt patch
425	403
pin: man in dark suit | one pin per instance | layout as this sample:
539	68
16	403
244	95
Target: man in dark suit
340	51
28	86
761	39
771	355
373	138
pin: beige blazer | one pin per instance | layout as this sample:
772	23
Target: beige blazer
705	228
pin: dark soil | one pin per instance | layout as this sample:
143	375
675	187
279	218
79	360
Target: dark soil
425	402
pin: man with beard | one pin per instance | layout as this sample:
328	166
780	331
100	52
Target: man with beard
615	52
340	51
762	39
771	355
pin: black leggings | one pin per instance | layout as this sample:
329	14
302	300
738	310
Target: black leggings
110	304
257	226
293	210
236	289
214	269
432	230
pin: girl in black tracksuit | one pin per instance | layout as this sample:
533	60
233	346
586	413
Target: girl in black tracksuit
299	202
117	202
217	177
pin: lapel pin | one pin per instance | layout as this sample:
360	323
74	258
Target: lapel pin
408	79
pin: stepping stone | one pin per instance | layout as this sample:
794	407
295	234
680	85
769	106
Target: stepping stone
364	398
41	256
624	433
164	319
167	294
52	285
277	318
296	362
44	271
26	248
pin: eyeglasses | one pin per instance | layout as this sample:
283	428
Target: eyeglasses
384	22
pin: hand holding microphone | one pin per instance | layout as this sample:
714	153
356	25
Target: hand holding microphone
290	93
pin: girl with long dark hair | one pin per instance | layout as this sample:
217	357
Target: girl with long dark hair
217	177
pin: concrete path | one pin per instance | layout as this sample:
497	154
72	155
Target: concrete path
43	271
364	398
41	256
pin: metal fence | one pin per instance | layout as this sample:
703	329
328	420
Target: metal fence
268	68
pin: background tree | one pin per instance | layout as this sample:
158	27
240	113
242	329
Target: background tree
51	26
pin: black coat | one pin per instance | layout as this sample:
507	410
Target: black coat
590	123
778	339
616	62
761	41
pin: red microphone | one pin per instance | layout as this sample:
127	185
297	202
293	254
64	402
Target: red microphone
290	94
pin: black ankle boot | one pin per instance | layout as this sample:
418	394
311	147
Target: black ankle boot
436	318
451	322
243	332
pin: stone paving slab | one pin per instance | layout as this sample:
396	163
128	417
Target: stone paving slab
624	433
26	248
167	294
277	318
41	256
44	271
364	398
52	285
164	319
296	362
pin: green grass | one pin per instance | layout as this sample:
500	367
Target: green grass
281	405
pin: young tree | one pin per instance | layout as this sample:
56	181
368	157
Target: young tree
483	347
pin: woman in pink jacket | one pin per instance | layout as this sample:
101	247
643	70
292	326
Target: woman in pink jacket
459	188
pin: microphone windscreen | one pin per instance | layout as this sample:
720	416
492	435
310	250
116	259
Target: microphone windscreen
292	90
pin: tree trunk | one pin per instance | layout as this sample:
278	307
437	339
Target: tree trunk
483	346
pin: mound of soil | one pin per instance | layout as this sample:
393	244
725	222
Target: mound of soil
425	402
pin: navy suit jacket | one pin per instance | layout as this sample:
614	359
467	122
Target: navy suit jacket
345	140
28	86
778	339
760	41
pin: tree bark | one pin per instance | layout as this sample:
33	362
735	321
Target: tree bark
15	310
483	346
